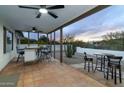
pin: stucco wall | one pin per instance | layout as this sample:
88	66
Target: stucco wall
5	58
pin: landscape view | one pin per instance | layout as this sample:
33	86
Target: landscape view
102	30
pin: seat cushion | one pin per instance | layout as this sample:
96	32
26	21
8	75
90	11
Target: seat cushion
21	52
89	59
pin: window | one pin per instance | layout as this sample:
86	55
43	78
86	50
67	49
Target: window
8	40
43	39
33	37
25	39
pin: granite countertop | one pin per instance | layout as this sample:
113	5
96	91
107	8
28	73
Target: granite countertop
31	48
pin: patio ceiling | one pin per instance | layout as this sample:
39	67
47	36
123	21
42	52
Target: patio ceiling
24	19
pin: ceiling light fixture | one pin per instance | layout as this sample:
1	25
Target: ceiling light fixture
33	30
43	10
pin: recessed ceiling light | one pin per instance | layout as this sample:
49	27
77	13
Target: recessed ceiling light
43	10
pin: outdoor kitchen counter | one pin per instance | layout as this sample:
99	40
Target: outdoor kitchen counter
32	48
30	54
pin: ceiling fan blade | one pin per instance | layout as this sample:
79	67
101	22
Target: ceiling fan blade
52	14
56	7
43	6
39	31
28	7
39	15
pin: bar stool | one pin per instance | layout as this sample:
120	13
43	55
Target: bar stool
20	53
46	53
38	54
113	65
88	62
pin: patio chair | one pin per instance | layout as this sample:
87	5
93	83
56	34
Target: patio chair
88	62
114	63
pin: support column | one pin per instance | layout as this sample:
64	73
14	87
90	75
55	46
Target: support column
61	45
51	42
28	38
54	44
47	36
38	38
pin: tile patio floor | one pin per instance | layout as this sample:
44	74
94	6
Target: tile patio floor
50	74
77	62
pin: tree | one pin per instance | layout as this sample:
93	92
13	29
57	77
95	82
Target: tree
115	40
113	35
44	38
69	38
33	41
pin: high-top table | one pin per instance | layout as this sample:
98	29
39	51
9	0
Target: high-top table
102	57
104	61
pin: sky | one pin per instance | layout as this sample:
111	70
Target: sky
93	27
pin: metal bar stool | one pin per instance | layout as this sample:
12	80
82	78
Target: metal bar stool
20	53
114	63
88	62
46	53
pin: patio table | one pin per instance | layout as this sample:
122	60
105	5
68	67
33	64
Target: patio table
99	57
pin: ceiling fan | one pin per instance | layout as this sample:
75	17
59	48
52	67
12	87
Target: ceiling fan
44	9
33	29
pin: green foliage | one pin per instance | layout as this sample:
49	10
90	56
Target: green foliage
44	39
114	41
56	42
42	42
111	41
33	41
69	50
24	41
73	49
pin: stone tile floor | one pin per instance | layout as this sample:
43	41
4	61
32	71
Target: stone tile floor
99	76
77	62
49	74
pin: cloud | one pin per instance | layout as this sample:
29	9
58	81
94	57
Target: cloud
95	26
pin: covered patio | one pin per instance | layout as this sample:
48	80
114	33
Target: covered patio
27	71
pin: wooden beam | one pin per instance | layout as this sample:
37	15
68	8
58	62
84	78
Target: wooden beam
88	13
61	45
